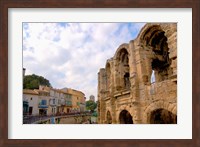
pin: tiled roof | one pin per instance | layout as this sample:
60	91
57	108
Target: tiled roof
29	91
41	90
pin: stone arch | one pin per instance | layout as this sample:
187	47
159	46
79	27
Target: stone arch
125	117
153	39
108	117
162	116
158	105
146	29
169	29
122	68
122	46
127	108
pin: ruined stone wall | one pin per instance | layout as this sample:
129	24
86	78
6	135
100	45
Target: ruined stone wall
125	82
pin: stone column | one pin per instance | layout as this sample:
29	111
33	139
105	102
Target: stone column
133	71
172	44
136	71
116	75
171	34
101	91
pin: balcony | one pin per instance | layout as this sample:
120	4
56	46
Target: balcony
43	104
68	103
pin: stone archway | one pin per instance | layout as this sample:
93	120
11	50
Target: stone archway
108	118
154	38
158	109
125	117
162	116
123	69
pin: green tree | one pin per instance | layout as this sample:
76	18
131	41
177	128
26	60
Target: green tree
33	81
90	105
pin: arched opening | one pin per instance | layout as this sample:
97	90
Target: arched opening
108	76
126	80
153	77
123	69
154	38
162	116
125	117
109	118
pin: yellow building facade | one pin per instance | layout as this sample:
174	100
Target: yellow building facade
51	101
78	99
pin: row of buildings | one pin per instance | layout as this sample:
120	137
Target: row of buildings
50	101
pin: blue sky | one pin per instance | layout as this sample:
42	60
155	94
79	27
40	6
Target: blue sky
71	54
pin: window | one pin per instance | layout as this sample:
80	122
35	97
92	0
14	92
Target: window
153	77
122	65
68	96
68	103
43	102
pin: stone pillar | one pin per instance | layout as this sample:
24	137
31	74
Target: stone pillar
117	116
136	113
172	45
133	71
116	75
101	91
113	109
135	78
171	34
140	63
111	76
132	64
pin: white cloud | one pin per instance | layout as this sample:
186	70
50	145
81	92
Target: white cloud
71	54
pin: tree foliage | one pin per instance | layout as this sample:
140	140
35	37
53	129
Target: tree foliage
33	81
90	105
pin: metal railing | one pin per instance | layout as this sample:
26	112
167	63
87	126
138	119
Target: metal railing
30	119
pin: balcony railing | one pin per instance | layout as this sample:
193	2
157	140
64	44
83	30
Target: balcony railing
43	106
66	103
29	119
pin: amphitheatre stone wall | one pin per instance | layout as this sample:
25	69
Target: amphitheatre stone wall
139	83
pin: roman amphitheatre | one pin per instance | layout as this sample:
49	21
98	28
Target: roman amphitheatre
138	85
